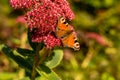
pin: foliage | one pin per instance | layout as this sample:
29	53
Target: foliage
97	23
25	59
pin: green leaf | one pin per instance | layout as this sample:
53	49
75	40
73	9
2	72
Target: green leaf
21	60
19	56
46	73
7	76
25	52
55	58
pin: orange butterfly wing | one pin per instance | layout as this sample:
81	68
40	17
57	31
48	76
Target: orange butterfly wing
68	41
66	34
71	41
63	28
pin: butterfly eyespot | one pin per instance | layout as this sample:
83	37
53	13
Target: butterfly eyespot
77	46
63	20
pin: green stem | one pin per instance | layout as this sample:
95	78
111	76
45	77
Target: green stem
39	57
36	59
44	54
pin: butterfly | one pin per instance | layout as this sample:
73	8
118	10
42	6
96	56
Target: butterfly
67	35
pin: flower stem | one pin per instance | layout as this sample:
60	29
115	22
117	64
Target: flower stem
43	54
36	60
39	57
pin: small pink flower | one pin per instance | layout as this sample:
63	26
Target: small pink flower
64	5
50	41
42	17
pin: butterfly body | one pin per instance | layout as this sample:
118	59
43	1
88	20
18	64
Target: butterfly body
67	34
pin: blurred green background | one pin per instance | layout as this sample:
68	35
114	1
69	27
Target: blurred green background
97	23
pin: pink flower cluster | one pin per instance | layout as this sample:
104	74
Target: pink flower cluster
18	4
42	16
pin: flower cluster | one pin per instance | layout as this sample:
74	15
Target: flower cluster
42	16
19	4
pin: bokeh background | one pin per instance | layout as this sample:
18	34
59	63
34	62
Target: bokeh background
97	24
